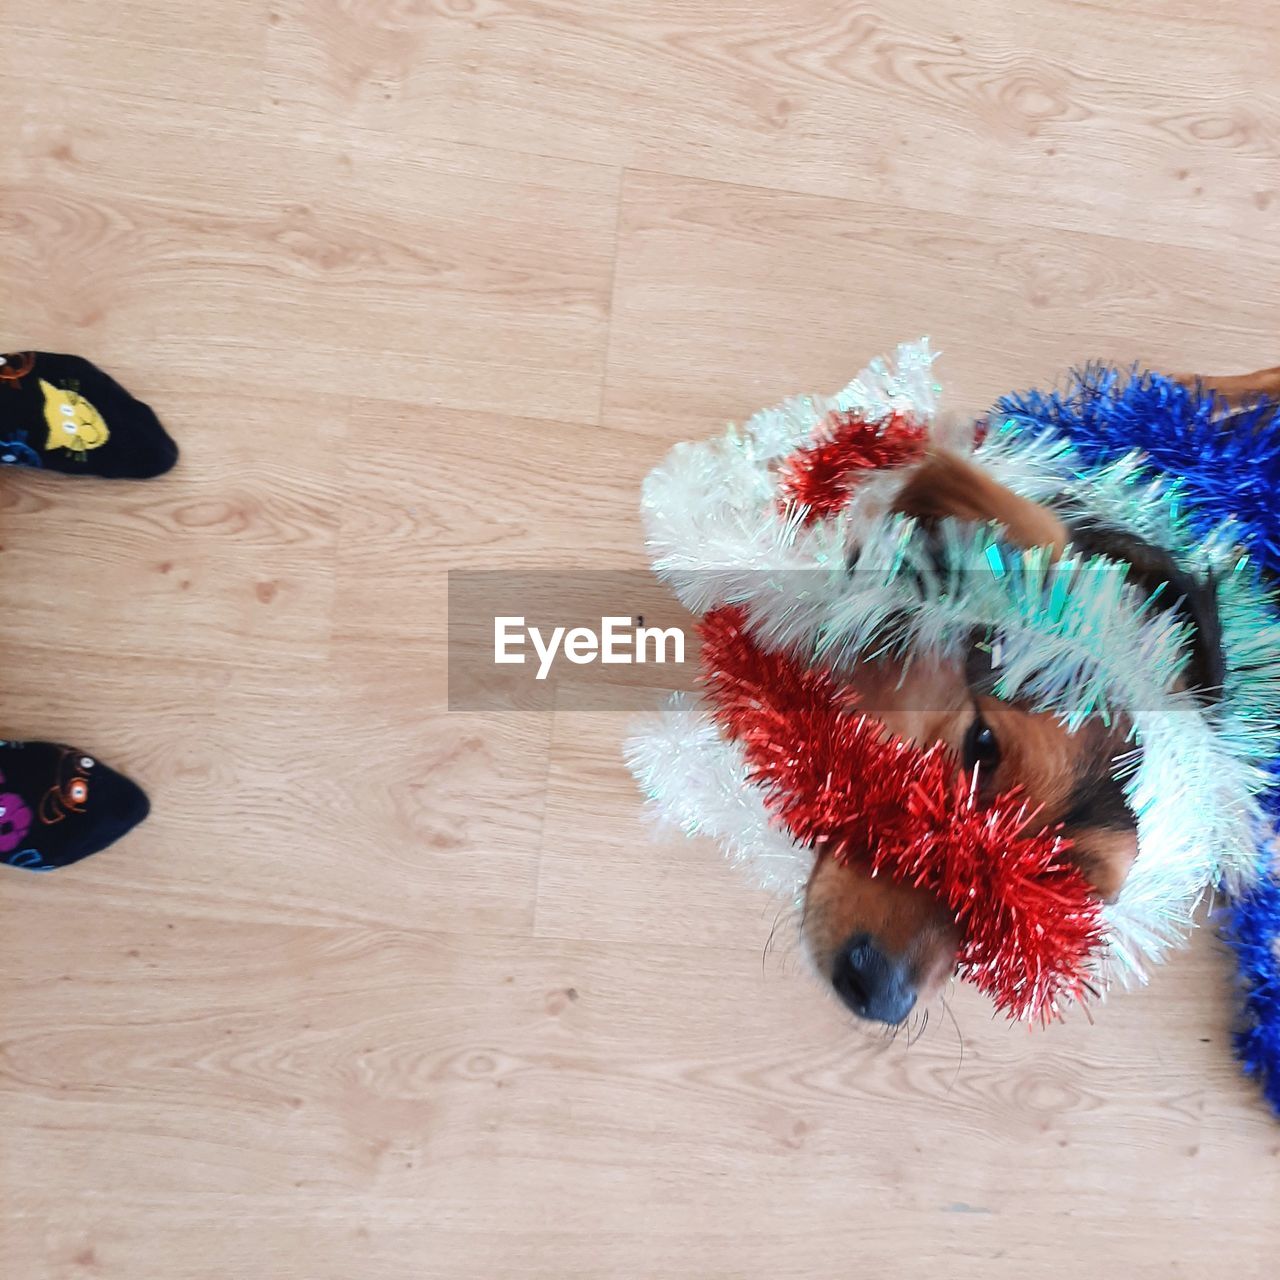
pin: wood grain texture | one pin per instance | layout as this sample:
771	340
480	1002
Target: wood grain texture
790	285
1044	113
383	990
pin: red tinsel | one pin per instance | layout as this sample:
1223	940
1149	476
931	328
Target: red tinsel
820	477
836	780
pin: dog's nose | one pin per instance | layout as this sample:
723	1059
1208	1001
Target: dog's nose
873	984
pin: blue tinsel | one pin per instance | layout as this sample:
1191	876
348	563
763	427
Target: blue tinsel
1224	472
1252	926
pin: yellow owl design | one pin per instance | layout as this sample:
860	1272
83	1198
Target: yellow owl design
74	424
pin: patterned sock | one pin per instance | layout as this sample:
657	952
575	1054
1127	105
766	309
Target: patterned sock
61	413
58	805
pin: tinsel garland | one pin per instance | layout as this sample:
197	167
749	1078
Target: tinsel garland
1251	925
1216	473
1221	474
1076	639
1029	922
765	518
819	478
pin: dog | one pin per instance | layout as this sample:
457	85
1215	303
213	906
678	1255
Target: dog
886	947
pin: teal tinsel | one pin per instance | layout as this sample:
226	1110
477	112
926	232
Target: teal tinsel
1226	471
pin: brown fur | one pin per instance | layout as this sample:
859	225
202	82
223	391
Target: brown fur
1241	390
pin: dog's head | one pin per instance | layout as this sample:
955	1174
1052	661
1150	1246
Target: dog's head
883	945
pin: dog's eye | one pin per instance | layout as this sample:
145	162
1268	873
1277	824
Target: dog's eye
981	748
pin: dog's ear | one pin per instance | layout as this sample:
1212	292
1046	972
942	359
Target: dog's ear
1194	598
947	485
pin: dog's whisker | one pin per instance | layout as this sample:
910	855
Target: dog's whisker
768	942
946	1008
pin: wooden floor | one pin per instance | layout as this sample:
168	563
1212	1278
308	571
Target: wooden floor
383	992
